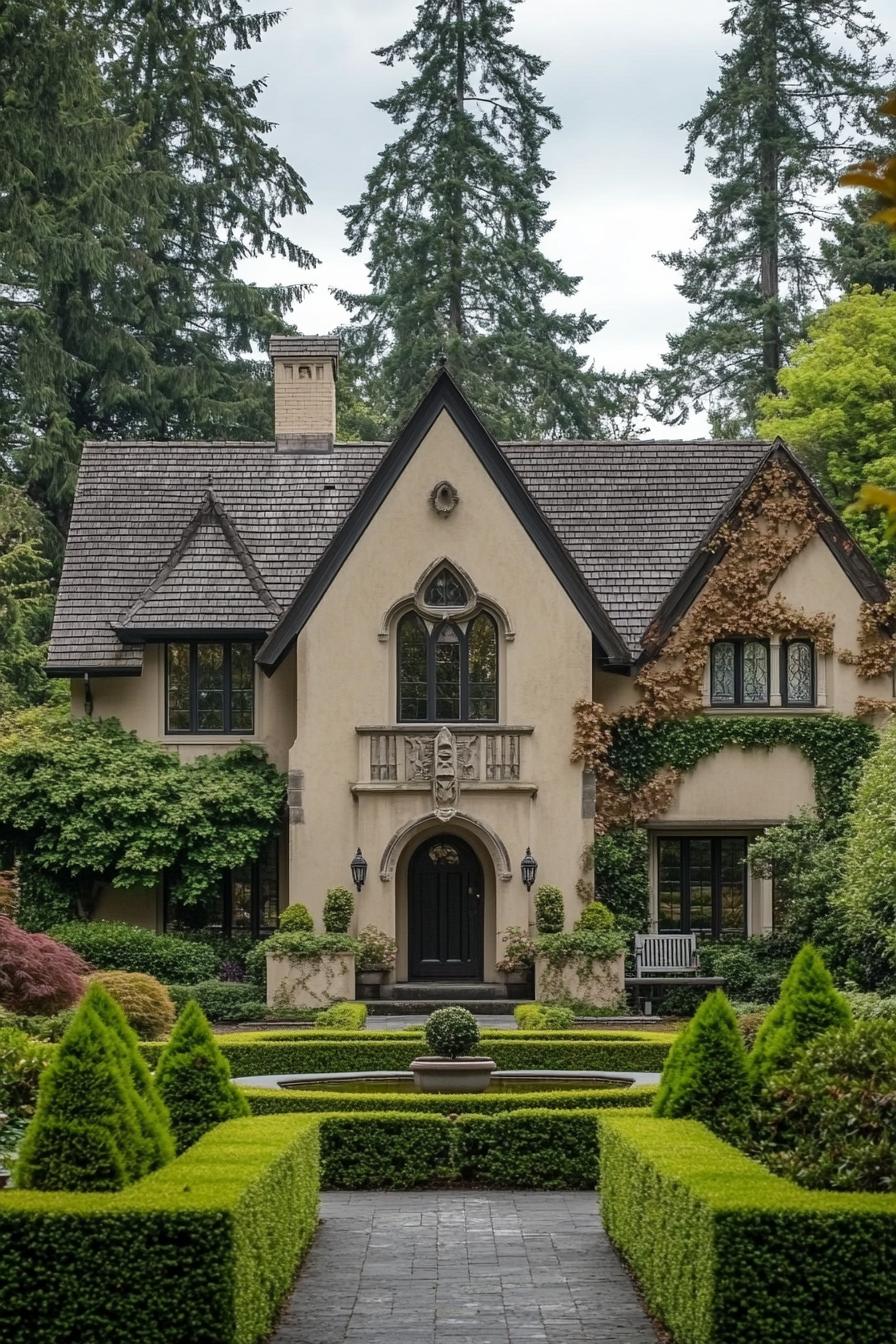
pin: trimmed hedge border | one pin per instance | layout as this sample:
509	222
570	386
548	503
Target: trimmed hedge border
276	1101
204	1249
416	1034
526	1150
297	1054
727	1253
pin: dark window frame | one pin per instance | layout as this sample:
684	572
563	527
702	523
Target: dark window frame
194	730
256	928
813	693
684	843
738	702
462	630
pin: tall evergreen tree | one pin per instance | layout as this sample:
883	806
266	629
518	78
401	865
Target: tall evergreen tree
858	250
791	107
454	217
66	173
150	178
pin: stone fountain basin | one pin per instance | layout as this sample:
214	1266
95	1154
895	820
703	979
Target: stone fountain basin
402	1080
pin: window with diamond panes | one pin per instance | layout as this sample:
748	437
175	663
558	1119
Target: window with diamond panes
798	673
739	672
209	687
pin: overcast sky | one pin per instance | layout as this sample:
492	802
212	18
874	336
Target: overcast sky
623	75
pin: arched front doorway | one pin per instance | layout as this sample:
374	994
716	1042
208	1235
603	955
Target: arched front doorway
445	911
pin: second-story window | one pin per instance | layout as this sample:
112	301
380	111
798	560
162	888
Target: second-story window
447	670
209	687
739	672
798	673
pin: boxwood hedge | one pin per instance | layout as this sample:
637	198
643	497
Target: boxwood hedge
250	1055
274	1100
203	1250
727	1253
534	1149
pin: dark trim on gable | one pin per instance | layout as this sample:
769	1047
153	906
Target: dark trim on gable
845	549
185	634
444	394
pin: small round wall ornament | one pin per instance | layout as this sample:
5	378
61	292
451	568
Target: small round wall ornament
443	498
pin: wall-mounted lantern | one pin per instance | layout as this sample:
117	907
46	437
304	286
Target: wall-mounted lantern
359	870
528	869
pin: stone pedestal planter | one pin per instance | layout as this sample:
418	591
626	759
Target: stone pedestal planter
600	983
432	1073
310	982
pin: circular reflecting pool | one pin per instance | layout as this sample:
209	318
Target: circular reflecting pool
502	1080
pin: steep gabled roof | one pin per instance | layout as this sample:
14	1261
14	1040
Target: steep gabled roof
445	395
209	582
845	549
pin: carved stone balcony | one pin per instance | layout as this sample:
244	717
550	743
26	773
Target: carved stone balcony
421	757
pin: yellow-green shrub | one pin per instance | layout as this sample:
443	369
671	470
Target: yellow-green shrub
145	1001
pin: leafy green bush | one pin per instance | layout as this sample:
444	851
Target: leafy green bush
376	950
85	1133
452	1032
584	946
193	1079
339	906
297	947
829	1122
352	1016
809	1004
40	1028
867	1006
109	945
296	919
253	1053
548	909
865	905
543	1017
726	1253
620	876
596	918
753	968
804	856
222	1000
204	1249
22	1061
706	1075
145	1002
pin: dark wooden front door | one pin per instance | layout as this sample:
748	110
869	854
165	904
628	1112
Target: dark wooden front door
445	911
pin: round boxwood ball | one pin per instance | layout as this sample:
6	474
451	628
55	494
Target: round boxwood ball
451	1032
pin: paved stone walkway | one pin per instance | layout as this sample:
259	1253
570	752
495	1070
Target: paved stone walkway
463	1267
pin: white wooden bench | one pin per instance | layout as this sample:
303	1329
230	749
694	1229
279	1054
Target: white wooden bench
664	959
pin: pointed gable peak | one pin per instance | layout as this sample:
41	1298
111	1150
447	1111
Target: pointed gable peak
209	582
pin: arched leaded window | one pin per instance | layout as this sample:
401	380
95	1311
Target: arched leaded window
445	590
739	672
447	670
798	672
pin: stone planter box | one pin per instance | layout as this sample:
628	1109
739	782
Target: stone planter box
601	984
433	1073
313	982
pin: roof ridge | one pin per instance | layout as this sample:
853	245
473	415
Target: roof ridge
210	507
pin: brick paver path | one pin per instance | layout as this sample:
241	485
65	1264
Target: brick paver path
463	1267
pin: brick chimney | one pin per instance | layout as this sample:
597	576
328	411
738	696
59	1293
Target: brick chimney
305	369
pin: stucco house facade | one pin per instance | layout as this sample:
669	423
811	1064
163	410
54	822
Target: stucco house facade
405	628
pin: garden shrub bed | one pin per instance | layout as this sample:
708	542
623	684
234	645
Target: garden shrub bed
204	1249
276	1101
299	1054
526	1150
727	1253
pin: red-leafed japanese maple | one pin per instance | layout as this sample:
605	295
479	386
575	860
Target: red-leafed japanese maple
37	974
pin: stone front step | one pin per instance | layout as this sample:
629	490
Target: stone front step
423	1007
448	991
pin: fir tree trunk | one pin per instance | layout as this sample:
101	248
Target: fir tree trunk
456	313
769	222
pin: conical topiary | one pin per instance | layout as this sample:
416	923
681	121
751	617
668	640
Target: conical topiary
152	1115
85	1134
708	1080
807	1006
193	1079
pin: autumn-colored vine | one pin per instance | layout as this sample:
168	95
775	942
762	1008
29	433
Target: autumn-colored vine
778	516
